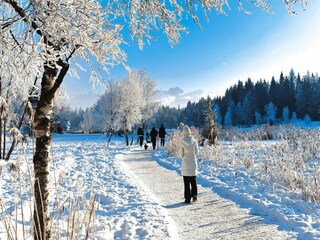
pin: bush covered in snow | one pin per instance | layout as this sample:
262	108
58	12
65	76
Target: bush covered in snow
175	137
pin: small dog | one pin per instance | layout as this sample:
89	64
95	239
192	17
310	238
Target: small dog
146	146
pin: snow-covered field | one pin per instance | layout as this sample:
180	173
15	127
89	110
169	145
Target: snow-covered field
84	168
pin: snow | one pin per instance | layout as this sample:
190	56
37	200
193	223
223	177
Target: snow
138	195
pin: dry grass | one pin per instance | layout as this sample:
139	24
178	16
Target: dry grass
71	217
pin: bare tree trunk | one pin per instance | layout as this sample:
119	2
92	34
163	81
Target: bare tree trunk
1	120
41	158
132	137
5	124
127	137
1	136
4	137
109	138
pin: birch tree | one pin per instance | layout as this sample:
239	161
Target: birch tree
56	34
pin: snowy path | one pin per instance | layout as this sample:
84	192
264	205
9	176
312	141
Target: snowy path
212	217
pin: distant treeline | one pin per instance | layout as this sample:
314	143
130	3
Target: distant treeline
245	103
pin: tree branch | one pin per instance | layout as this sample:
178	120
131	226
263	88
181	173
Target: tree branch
73	51
27	19
14	39
63	71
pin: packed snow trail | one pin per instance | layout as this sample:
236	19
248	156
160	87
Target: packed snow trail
211	217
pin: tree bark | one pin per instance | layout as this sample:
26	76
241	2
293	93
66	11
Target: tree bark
51	81
127	137
4	137
41	157
109	138
1	120
1	135
132	137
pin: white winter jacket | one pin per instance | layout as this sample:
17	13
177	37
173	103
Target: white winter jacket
188	152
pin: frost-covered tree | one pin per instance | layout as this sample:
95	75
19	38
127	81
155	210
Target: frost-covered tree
217	110
210	128
258	118
57	34
228	118
239	116
302	91
60	107
285	115
271	111
15	94
138	103
150	105
132	100
87	122
126	103
294	117
307	119
106	110
248	108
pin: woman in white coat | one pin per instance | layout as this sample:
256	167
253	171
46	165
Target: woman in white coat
189	166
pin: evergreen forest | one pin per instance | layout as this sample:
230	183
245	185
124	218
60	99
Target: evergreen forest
281	100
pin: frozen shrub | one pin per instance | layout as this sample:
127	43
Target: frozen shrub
210	152
173	142
174	139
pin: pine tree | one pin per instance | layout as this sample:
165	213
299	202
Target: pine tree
285	115
210	128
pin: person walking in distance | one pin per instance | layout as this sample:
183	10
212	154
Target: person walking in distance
189	166
153	135
162	135
140	135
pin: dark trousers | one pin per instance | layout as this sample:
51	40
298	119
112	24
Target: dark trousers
154	143
141	140
188	193
162	142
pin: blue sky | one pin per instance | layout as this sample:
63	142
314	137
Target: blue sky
227	49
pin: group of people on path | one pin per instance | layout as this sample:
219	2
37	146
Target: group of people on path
153	135
188	152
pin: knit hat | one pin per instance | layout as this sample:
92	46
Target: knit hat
186	131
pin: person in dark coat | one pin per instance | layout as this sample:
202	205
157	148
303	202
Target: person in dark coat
140	135
162	135
153	135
